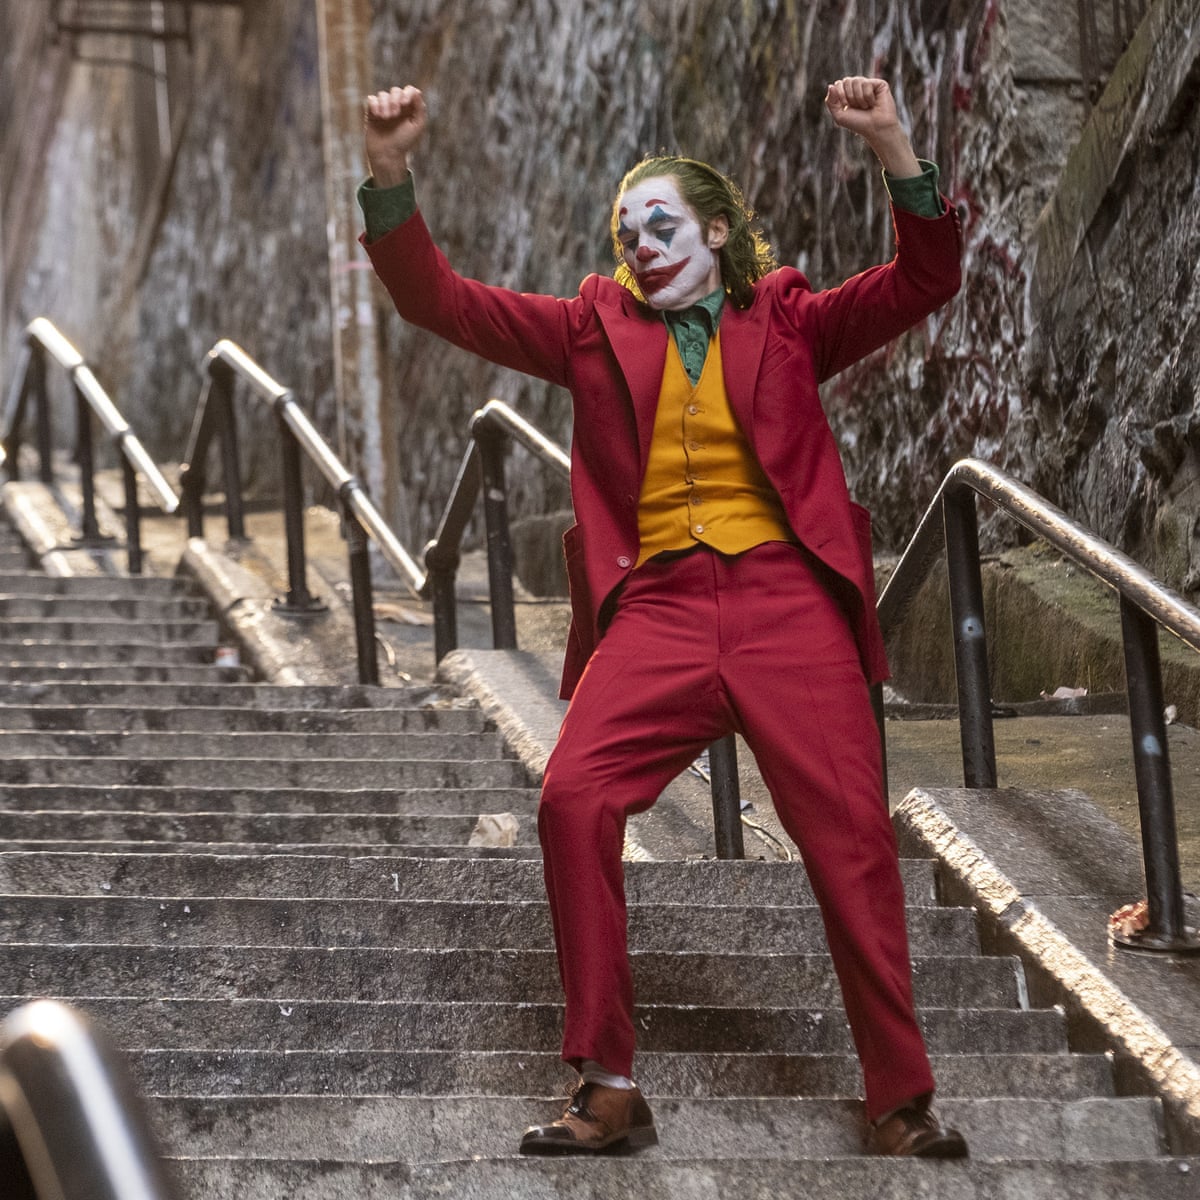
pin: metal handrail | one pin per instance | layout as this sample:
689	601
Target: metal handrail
42	339
80	1133
225	363
1145	604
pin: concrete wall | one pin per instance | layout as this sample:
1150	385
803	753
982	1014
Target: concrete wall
146	255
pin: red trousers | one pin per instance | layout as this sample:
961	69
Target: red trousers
701	645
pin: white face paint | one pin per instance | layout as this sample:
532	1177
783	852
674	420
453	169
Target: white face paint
674	262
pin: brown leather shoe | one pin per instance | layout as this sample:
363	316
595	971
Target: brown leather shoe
598	1119
915	1131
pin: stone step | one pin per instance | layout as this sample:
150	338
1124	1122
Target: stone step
262	747
277	829
287	1023
778	1128
193	719
103	629
134	607
92	653
178	674
332	773
446	924
225	694
855	1178
98	587
391	1073
252	850
523	975
694	881
297	803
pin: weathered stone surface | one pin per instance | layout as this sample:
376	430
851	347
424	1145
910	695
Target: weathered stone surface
537	109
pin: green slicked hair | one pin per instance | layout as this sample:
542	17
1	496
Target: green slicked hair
746	256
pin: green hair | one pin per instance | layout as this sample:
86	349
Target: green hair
746	256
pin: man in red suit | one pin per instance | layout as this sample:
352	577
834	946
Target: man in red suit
721	579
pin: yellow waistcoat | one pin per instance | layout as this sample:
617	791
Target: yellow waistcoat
702	482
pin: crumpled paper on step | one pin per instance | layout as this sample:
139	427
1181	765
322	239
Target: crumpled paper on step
495	829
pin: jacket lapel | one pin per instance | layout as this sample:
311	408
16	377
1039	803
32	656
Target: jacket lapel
639	342
743	336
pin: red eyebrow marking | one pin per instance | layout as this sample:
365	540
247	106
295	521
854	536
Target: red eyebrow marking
650	202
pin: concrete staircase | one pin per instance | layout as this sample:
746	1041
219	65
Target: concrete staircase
268	897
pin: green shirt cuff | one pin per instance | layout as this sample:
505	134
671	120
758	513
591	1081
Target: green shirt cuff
918	193
385	209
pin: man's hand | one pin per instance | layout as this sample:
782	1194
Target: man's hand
866	107
393	123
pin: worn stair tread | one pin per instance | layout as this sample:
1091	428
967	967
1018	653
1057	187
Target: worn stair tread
429	1130
253	850
176	673
452	827
291	802
682	881
132	651
604	1178
97	587
309	772
102	629
258	746
450	924
232	694
158	979
687	1074
204	1075
133	607
115	718
289	1022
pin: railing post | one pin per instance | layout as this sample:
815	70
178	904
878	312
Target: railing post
1167	929
880	721
133	514
14	408
726	798
499	542
193	473
87	468
442	573
221	396
970	639
300	601
360	590
442	556
37	367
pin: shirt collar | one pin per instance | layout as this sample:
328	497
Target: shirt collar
708	309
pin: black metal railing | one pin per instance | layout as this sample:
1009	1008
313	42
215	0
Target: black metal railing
44	341
216	419
73	1127
1145	605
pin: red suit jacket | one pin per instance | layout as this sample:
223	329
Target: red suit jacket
608	350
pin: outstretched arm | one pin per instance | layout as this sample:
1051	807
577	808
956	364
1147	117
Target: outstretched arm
866	107
393	123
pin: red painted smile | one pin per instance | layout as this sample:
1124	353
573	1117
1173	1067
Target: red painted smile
658	278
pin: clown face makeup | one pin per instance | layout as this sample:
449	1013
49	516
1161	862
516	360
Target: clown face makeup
674	261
